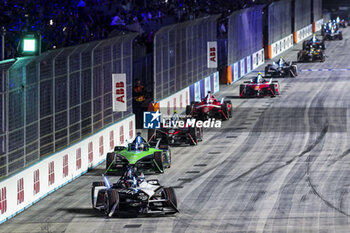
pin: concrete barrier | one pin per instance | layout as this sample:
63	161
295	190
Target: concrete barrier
302	34
317	26
279	47
21	190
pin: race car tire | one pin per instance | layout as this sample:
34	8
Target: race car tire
230	111
111	198
109	159
194	140
305	45
241	90
95	184
340	35
267	69
273	90
149	134
171	197
158	158
189	110
299	56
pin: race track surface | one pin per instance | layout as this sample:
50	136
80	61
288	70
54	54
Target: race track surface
279	165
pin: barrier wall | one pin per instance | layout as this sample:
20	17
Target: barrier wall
25	188
280	46
317	26
302	14
302	34
244	66
317	13
180	55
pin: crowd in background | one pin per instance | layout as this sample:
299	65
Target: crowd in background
63	23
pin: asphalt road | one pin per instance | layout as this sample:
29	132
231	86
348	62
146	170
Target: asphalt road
279	165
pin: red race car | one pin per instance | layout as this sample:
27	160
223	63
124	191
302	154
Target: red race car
259	87
210	107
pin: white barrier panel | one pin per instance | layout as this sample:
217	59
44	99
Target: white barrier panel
281	46
318	25
21	190
178	101
258	59
302	34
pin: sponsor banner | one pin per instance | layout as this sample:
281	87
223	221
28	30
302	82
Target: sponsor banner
281	46
249	64
207	84
197	91
235	71
119	92
212	54
216	82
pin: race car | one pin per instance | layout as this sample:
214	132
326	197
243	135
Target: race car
315	42
139	154
259	87
311	54
210	107
330	31
176	135
281	68
133	194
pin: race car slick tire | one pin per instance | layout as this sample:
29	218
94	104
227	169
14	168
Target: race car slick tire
230	111
194	137
111	198
189	110
199	132
340	36
305	45
95	184
273	90
241	91
158	157
171	196
109	159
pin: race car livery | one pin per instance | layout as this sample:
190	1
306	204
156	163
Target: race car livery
259	87
311	54
210	107
133	194
278	69
139	154
314	42
176	136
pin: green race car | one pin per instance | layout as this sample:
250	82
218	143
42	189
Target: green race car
140	154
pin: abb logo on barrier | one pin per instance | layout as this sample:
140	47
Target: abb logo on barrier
20	191
65	166
121	134
51	173
36	182
3	200
78	158
119	92
111	140
131	130
212	54
101	149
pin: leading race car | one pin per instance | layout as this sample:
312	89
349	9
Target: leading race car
132	194
139	154
330	31
259	87
281	68
314	42
210	107
311	54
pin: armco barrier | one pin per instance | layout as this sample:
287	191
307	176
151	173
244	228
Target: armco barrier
317	26
302	34
279	46
21	190
244	66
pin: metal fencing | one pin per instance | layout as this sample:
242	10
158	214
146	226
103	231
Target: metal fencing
279	20
317	13
53	100
180	55
302	14
245	34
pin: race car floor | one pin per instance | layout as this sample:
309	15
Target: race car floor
279	165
